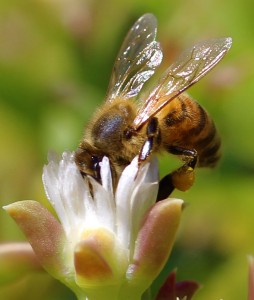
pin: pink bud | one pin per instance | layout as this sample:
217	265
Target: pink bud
171	289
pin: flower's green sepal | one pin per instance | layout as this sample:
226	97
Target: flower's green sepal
154	242
44	233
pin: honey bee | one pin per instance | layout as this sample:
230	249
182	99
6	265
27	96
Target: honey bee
163	119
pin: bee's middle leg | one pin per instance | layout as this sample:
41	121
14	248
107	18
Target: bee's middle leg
152	140
182	178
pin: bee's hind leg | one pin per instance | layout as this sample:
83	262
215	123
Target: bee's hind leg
182	178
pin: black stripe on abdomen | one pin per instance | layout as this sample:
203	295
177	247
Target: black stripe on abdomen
174	117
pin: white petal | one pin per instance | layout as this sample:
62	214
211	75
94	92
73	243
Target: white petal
136	192
67	192
144	196
106	177
124	192
51	184
74	191
104	206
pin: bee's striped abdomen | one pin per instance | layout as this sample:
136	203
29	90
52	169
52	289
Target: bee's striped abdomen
186	124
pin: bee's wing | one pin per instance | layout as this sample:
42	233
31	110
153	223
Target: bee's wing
137	59
191	65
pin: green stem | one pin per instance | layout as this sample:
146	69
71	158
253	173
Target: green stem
147	295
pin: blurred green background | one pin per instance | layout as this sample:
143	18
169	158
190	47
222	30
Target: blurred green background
55	62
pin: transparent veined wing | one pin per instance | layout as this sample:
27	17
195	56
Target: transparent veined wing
137	59
190	66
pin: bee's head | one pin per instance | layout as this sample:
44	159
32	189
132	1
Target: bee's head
88	161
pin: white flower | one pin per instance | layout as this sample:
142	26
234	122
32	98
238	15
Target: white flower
107	245
120	214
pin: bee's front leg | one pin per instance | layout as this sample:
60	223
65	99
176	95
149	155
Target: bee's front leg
152	140
182	178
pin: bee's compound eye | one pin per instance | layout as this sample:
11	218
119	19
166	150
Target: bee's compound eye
96	164
94	159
